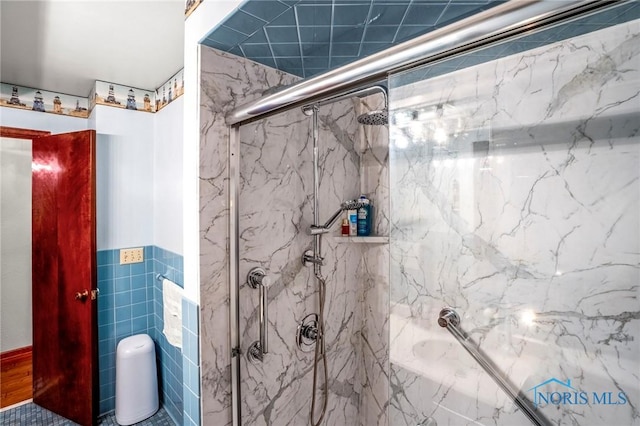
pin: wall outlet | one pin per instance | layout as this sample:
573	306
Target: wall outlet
131	255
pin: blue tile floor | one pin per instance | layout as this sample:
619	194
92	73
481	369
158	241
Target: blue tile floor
30	414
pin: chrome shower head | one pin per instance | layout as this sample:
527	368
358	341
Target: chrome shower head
351	205
374	118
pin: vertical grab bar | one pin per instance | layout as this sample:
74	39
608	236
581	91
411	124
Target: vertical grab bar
258	279
450	320
264	318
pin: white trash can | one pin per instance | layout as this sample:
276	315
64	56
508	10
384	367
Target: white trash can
136	379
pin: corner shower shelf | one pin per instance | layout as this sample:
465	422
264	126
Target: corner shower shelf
362	240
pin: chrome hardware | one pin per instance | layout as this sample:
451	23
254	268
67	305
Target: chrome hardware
255	354
449	319
448	316
257	278
498	23
95	293
316	230
309	257
82	296
323	229
307	334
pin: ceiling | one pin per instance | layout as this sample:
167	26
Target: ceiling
64	46
308	37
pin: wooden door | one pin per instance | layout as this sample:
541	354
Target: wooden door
65	370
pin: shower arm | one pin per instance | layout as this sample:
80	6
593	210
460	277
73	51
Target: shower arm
323	229
308	109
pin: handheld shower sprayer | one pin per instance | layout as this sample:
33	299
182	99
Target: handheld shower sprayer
323	229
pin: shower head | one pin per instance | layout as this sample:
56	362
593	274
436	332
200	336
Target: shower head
351	205
374	118
379	117
347	205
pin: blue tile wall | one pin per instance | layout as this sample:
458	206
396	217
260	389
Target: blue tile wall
169	357
622	13
122	312
190	363
130	302
276	33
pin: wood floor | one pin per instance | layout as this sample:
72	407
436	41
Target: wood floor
15	376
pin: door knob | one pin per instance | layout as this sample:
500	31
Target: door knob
82	296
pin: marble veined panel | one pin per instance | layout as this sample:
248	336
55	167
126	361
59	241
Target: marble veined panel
374	175
515	194
227	82
276	210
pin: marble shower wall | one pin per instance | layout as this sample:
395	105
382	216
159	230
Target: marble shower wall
526	221
275	205
374	172
227	81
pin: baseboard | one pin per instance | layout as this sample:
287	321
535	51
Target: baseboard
16	376
15	355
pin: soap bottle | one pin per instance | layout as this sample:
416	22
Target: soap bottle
353	222
364	217
345	227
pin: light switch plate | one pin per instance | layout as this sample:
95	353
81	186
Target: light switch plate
131	255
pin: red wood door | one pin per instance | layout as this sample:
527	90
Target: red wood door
65	370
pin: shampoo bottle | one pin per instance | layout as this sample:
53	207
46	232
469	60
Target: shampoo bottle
364	217
353	222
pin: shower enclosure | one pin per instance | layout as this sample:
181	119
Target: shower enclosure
506	188
276	206
515	201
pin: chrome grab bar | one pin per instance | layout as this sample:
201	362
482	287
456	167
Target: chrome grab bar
450	320
258	279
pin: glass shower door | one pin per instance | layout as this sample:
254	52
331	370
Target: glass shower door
515	188
275	205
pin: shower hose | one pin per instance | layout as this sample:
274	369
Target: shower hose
320	353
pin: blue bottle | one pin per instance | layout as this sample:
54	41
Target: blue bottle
364	217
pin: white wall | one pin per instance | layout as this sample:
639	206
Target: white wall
197	26
25	119
139	171
124	177
167	177
15	244
124	168
139	194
